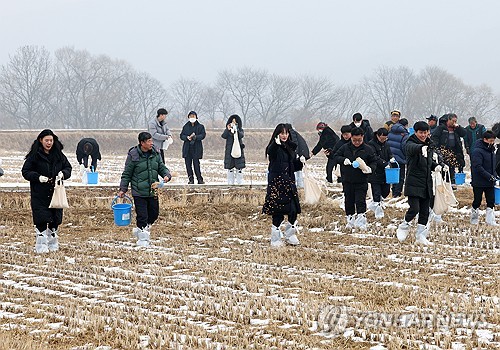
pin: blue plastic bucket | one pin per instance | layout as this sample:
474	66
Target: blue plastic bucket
92	178
459	178
122	212
392	175
497	195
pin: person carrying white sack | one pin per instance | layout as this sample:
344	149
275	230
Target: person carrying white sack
162	136
484	177
418	186
234	156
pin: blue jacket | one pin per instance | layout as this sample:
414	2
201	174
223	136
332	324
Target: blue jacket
398	135
483	165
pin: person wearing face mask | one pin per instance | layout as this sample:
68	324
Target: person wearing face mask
364	124
44	163
327	140
282	197
345	131
357	160
193	132
418	187
484	176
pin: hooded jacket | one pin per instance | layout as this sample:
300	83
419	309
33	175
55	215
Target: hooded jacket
193	148
80	149
229	161
365	125
418	169
398	135
483	165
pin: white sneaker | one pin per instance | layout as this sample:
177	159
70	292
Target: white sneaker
474	216
291	234
490	217
371	206
276	237
230	177
41	244
421	235
402	231
143	237
52	240
379	211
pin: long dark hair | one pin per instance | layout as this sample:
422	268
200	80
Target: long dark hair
57	146
289	145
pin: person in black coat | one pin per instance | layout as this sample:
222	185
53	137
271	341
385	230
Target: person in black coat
447	137
43	165
359	122
345	131
282	197
484	176
192	150
496	130
88	147
351	157
380	188
327	140
302	154
418	186
234	165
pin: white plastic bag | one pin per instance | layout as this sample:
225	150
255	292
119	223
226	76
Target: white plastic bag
444	198
312	189
59	199
236	150
167	143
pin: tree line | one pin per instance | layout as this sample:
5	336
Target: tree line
74	89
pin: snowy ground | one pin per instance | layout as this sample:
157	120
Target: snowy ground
211	281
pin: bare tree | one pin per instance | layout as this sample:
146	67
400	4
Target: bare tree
188	95
26	83
243	86
389	88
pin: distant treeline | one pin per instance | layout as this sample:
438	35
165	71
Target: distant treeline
75	89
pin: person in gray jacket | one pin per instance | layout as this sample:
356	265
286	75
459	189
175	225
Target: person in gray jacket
162	137
233	162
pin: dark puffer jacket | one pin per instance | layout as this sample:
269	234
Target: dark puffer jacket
483	165
355	175
398	135
440	138
383	153
418	170
195	146
141	171
48	165
327	140
229	161
367	129
282	196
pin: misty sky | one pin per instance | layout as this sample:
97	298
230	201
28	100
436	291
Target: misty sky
342	40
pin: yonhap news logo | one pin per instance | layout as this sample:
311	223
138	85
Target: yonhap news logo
337	319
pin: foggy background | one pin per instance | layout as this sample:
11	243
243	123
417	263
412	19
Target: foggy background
111	64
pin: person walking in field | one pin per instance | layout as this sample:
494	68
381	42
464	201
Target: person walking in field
302	154
142	168
234	156
327	140
193	132
282	197
43	165
162	136
484	176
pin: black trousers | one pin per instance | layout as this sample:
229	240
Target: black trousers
93	164
190	164
397	189
418	206
355	197
330	164
147	210
380	191
489	193
162	156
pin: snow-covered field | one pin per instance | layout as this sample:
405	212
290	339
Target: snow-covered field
211	281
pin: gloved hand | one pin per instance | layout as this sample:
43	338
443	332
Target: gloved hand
392	160
302	159
277	140
446	168
438	168
60	175
424	151
367	171
82	167
347	161
493	178
43	179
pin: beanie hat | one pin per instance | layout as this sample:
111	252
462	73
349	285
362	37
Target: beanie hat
193	113
161	111
321	126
